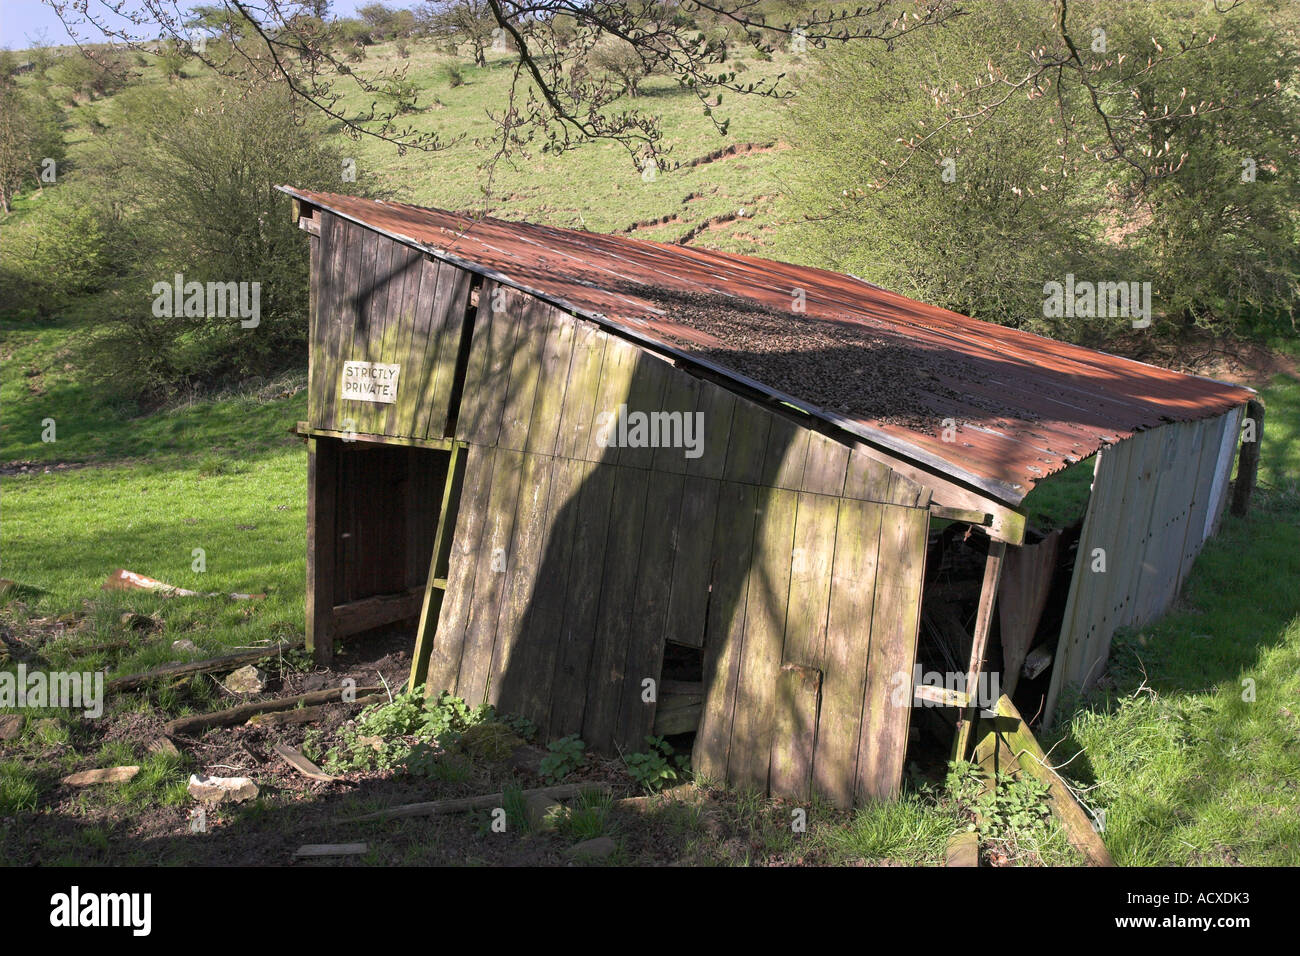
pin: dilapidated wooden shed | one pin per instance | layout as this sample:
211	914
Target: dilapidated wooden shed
621	487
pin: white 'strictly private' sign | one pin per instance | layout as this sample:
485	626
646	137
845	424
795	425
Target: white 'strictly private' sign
370	382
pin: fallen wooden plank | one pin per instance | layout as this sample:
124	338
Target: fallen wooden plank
187	668
564	791
124	580
1018	748
376	611
306	715
963	849
300	763
89	778
187	726
315	851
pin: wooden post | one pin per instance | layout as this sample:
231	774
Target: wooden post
1248	461
322	510
983	621
436	586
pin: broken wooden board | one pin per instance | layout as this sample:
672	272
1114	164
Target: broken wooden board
187	668
316	851
1016	749
1026	585
564	791
963	849
300	763
88	778
197	723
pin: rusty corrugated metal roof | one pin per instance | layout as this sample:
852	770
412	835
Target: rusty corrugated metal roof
884	367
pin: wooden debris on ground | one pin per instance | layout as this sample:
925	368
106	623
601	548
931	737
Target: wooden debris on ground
300	763
88	778
316	851
306	715
124	580
1009	750
188	668
197	723
564	791
963	849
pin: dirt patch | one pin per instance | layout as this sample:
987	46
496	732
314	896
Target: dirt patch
1201	353
735	149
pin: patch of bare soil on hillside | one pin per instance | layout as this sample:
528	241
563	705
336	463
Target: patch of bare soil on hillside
1229	360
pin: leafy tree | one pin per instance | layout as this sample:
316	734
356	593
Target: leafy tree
214	215
30	133
961	169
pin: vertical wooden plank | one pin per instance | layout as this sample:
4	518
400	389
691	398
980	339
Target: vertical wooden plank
579	409
787	453
1248	460
827	465
1219	492
679	403
545	622
645	645
733	549
333	288
553	382
810	579
420	352
315	366
367	273
508	679
848	641
765	615
586	577
494	560
867	478
462	568
979	644
646	395
322	503
452	316
797	700
616	375
535	321
688	599
488	372
406	327
895	618
717	405
747	446
613	618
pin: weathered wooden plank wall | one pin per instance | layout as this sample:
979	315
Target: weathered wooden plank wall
574	563
1156	498
377	300
793	563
